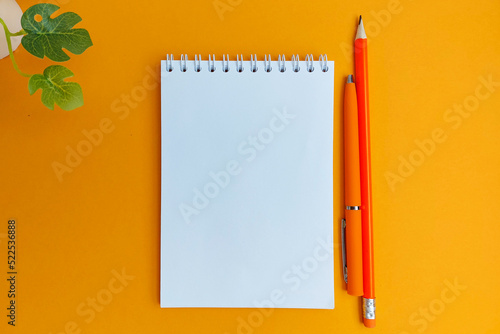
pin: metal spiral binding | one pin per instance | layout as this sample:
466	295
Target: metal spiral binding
281	63
310	63
253	63
211	63
197	63
225	63
239	63
267	63
323	63
184	59
170	59
295	63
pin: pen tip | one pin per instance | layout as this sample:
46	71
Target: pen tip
350	78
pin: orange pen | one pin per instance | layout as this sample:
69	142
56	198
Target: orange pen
361	65
351	225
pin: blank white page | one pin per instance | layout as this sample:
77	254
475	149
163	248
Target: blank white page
247	187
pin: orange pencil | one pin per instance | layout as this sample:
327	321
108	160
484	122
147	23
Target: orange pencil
351	225
361	64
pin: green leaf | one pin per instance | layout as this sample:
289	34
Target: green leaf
49	36
67	95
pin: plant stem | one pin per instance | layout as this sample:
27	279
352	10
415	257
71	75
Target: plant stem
19	33
8	35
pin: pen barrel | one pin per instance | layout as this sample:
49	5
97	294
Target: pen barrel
353	242
351	147
354	254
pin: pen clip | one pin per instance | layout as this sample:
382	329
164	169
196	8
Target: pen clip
344	257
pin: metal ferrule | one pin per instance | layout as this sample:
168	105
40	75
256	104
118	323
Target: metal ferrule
369	308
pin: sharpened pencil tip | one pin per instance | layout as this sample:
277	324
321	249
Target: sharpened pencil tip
350	78
360	33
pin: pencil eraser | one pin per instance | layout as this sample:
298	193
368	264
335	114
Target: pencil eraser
369	323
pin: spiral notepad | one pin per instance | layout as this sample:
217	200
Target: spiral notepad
247	185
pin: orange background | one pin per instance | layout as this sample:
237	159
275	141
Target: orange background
438	226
